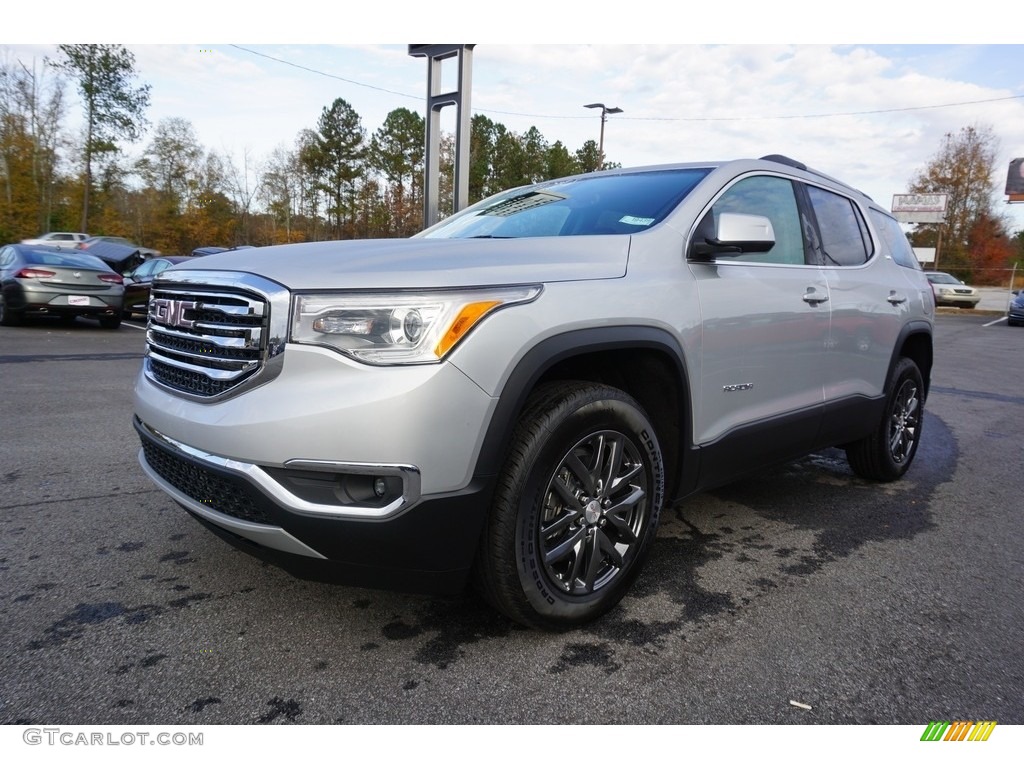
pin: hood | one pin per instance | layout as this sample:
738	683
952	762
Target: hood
426	263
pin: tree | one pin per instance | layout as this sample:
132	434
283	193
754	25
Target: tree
281	189
313	163
559	162
535	150
964	168
483	135
341	152
113	105
991	251
31	108
589	157
171	162
244	185
397	153
509	162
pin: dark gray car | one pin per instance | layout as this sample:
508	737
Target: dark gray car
138	281
44	281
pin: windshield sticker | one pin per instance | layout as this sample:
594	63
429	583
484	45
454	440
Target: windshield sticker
637	221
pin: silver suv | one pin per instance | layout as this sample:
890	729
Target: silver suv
512	396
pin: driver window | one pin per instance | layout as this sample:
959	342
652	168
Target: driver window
774	198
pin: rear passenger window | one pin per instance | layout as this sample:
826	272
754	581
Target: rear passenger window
844	237
896	243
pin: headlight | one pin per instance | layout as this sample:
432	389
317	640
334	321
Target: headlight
398	328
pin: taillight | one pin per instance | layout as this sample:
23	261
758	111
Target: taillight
109	277
29	272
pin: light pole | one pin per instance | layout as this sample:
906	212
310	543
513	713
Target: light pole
605	111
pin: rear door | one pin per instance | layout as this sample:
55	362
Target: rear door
870	299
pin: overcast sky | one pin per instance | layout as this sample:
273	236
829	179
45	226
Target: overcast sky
871	115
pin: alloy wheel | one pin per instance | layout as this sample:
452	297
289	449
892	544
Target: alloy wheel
595	506
904	423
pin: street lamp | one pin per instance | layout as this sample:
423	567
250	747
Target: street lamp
605	111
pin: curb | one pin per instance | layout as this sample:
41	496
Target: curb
977	312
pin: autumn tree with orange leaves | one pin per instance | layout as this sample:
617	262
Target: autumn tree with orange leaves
974	241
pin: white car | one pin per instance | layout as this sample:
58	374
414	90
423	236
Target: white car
950	292
70	239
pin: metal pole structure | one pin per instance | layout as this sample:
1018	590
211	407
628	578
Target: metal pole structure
436	101
605	111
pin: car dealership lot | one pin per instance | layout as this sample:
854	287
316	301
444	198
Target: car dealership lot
887	604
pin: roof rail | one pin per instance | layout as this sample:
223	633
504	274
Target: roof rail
782	159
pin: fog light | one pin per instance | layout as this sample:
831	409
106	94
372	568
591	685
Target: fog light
380	487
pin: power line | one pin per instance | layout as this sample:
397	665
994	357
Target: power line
810	116
327	74
735	118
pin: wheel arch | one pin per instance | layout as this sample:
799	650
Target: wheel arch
915	342
645	362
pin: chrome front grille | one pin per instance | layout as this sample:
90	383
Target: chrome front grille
211	336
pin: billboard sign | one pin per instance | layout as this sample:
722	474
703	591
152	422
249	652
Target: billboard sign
1015	180
924	208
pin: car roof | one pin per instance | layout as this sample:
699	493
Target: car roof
773	162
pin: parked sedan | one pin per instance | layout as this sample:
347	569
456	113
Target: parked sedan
68	284
137	283
59	239
950	292
1015	314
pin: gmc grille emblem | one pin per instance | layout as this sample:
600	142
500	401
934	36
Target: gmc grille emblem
172	312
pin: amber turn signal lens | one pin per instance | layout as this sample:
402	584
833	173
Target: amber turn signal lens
464	321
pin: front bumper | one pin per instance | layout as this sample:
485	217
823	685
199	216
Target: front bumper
956	300
427	545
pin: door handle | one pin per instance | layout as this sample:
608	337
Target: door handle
896	298
813	298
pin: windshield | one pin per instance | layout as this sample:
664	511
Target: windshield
941	277
620	204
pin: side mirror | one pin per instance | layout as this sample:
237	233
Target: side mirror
736	233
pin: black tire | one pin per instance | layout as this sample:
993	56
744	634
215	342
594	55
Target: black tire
8	316
576	507
887	453
109	322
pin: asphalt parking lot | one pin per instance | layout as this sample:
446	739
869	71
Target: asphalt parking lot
871	604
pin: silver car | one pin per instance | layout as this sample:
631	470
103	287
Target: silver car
36	280
510	398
